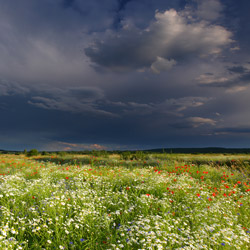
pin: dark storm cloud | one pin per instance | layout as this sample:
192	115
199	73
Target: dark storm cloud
193	122
237	17
68	3
209	10
43	41
11	88
122	4
238	69
233	130
76	100
74	6
92	100
245	77
118	17
58	15
171	37
235	76
52	98
169	107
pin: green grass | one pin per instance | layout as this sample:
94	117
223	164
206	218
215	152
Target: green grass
162	202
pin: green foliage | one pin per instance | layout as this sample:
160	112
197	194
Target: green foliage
138	156
126	155
61	153
32	152
100	153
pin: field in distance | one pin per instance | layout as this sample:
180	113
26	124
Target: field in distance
129	200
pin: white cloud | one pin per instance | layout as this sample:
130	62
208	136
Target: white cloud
181	104
211	79
162	64
172	106
236	89
170	38
199	121
66	146
234	77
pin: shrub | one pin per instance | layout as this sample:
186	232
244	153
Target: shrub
61	153
138	156
32	152
126	155
100	153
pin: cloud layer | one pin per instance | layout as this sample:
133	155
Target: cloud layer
170	38
131	74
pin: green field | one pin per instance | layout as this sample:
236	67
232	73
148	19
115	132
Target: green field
155	201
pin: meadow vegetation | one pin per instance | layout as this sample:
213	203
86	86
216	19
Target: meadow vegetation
130	200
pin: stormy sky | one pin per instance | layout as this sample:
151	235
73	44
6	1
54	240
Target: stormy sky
124	74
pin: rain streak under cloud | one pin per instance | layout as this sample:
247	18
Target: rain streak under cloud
124	74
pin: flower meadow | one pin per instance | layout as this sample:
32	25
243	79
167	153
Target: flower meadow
86	202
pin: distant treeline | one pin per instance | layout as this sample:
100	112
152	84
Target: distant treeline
208	150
